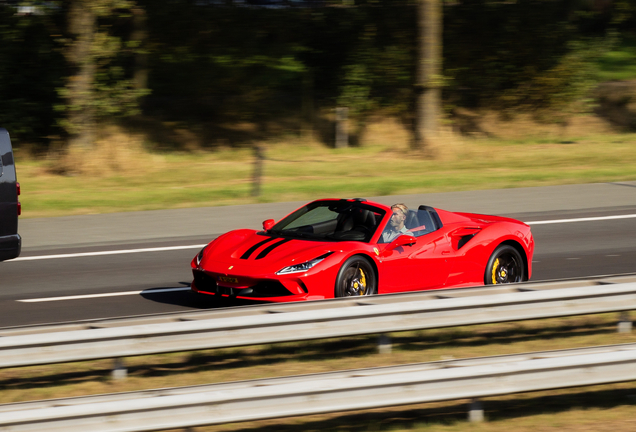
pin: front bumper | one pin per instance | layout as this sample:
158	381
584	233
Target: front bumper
250	288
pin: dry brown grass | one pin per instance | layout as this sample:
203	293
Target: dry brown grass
522	126
123	173
114	152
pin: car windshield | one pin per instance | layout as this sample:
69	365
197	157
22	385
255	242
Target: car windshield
332	220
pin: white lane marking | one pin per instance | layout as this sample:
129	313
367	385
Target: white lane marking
587	219
114	294
171	248
113	252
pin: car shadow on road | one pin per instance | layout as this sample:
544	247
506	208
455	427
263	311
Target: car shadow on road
186	298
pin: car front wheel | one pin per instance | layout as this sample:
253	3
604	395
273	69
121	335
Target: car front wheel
356	278
504	266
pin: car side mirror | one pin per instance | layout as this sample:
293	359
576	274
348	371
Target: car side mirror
403	240
268	224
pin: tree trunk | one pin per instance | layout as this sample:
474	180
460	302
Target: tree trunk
428	81
139	37
81	119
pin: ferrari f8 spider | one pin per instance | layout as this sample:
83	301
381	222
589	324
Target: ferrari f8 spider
333	248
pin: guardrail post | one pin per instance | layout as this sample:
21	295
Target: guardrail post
384	344
475	411
624	323
119	369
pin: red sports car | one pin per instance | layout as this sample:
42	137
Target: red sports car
334	248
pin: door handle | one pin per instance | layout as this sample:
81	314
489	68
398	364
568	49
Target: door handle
445	252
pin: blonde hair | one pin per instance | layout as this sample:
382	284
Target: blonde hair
402	207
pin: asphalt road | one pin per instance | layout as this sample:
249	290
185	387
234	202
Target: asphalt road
31	286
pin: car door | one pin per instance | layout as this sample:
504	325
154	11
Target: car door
420	266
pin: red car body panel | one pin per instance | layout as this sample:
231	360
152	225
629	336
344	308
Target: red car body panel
243	263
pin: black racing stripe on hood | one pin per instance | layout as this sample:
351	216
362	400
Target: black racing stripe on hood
270	248
251	250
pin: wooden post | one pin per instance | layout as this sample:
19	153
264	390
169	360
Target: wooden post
342	135
307	122
258	170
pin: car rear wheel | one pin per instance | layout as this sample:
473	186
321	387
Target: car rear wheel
504	266
356	278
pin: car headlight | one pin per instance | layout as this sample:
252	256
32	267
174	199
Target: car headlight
302	267
200	255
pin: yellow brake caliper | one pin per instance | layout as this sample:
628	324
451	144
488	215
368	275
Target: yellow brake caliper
494	271
363	282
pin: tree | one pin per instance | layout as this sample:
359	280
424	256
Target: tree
428	78
99	86
31	68
80	120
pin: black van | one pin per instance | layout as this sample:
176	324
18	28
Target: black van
10	208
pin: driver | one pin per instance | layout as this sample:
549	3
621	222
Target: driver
396	226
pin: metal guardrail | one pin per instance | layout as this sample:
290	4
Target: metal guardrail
324	393
368	315
270	308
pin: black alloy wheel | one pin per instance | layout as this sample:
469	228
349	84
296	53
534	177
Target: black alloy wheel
504	266
356	278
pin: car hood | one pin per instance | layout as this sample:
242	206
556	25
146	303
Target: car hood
257	249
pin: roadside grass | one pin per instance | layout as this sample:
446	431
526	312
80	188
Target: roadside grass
297	170
598	408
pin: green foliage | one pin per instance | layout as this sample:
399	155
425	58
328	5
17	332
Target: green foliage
556	93
526	55
379	73
35	71
111	92
241	63
31	67
530	55
618	63
222	63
